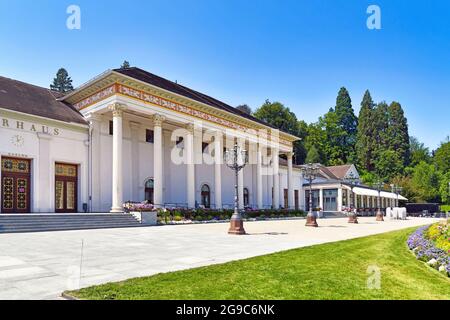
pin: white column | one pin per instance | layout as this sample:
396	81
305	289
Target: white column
45	202
190	166
290	182
95	183
134	129
117	191
158	160
276	178
259	180
339	199
241	178
218	161
321	199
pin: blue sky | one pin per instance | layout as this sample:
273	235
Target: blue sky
297	52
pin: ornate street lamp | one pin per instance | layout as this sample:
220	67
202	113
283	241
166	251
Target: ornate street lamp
352	217
396	189
236	159
310	172
379	186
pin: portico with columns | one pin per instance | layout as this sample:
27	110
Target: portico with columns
150	141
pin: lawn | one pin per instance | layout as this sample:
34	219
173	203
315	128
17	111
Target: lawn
329	271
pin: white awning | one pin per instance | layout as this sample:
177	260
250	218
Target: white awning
365	192
374	193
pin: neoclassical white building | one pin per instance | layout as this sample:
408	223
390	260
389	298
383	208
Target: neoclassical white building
129	135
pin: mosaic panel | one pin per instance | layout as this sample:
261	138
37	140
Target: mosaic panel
65	170
8	193
15	165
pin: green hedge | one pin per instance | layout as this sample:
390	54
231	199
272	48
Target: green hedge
211	214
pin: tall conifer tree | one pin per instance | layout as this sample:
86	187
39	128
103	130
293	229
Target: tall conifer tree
62	83
348	122
365	142
398	134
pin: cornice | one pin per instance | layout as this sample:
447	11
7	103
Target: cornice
113	83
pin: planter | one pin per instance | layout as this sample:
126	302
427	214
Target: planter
149	218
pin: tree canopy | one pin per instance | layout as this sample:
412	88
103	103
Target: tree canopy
125	64
62	82
365	142
244	108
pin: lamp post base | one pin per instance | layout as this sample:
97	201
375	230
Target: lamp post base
380	216
353	218
236	227
311	221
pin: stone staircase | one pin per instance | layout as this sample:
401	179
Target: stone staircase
14	223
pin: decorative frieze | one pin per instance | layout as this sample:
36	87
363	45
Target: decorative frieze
174	106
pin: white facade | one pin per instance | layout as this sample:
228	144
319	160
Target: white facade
138	167
45	142
114	167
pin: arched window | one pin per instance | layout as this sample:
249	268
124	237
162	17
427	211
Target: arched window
206	196
149	187
246	197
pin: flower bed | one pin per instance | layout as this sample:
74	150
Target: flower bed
177	215
138	207
425	249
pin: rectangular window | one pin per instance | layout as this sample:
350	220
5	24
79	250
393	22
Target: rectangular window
149	136
111	128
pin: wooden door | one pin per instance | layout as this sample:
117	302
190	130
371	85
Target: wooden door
66	187
15	184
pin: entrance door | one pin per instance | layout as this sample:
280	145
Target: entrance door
66	187
330	200
15	184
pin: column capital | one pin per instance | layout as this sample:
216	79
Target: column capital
117	109
158	119
190	127
289	154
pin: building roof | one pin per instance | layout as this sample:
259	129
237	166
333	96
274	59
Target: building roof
339	172
27	98
174	87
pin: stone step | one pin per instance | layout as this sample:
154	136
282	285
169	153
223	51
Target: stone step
53	222
67	228
49	223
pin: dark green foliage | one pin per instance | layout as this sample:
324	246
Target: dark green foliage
348	122
398	134
425	181
365	141
388	165
279	116
442	157
125	64
313	156
418	152
244	108
62	82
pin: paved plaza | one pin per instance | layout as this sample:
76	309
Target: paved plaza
42	265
